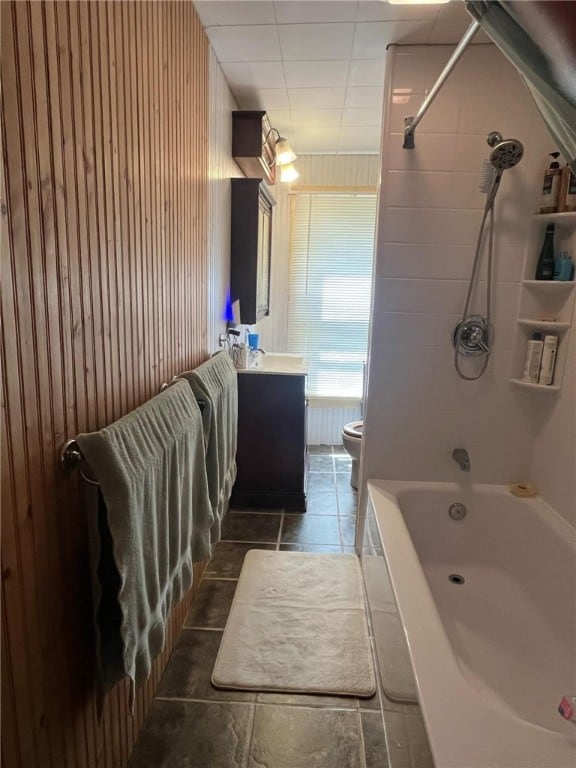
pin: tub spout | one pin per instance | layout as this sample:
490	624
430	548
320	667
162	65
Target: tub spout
460	456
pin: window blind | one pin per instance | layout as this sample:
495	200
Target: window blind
331	254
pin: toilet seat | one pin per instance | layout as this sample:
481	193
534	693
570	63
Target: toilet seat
354	429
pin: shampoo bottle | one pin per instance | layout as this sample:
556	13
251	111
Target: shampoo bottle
548	360
545	268
551	186
533	359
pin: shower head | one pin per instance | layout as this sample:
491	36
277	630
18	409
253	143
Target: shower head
506	153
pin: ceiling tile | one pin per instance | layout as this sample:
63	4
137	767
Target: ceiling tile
315	140
215	13
295	12
318	117
367	72
250	43
316	74
262	98
310	42
319	98
365	98
376	10
359	139
254	74
371	38
362	117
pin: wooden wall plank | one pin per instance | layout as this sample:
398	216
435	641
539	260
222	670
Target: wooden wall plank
105	164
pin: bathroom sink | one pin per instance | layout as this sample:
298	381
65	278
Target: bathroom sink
279	362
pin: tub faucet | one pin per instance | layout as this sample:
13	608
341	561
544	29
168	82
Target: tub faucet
460	456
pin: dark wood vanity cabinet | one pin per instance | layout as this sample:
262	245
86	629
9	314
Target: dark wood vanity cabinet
251	234
271	454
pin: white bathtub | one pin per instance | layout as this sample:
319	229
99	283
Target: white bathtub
493	656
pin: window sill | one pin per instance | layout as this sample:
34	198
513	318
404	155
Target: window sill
317	401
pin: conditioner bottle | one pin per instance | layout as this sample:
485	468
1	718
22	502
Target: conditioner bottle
533	359
548	359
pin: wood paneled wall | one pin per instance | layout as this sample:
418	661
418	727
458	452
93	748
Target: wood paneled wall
104	210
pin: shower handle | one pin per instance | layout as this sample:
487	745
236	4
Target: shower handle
473	336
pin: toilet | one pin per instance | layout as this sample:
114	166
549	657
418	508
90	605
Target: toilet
352	439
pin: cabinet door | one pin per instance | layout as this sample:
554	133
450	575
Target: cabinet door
263	278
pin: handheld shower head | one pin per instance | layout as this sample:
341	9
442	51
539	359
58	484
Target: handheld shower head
506	153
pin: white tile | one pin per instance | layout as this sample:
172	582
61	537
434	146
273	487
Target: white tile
263	98
363	139
423	296
441	117
367	72
362	117
418	189
297	12
424	225
310	42
314	74
250	43
233	13
364	97
433	152
424	260
254	74
319	98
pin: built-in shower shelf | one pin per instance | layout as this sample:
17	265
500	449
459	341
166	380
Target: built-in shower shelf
549	285
546	325
541	387
567	217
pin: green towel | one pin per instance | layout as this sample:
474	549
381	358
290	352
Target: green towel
215	382
152	474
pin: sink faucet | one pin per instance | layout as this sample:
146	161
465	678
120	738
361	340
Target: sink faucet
460	456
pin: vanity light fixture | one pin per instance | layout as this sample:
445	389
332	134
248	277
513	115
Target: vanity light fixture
288	172
284	156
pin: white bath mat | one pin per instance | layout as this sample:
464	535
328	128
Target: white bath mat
297	624
396	671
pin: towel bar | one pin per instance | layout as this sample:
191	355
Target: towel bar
71	458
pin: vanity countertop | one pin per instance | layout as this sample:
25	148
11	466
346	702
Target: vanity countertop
284	363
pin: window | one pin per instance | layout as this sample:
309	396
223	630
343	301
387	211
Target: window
331	254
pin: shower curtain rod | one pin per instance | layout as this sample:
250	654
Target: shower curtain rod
410	123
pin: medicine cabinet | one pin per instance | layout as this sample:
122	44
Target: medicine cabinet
251	238
545	305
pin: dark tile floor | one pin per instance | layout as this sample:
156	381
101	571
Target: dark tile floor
193	725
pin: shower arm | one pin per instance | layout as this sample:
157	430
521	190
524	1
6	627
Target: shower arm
410	123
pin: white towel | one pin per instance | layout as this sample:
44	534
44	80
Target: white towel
152	474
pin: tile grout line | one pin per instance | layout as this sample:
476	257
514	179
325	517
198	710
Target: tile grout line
280	531
362	744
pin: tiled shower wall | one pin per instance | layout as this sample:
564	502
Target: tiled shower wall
418	409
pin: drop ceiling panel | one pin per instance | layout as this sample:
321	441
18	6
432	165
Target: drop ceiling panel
366	72
229	14
359	139
253	74
366	98
263	98
316	74
249	43
295	12
368	10
362	117
371	38
309	42
319	98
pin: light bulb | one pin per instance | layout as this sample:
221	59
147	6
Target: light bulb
288	172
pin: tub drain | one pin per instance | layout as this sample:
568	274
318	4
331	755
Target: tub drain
455	578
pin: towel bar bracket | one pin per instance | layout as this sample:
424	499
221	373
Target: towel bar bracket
70	456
